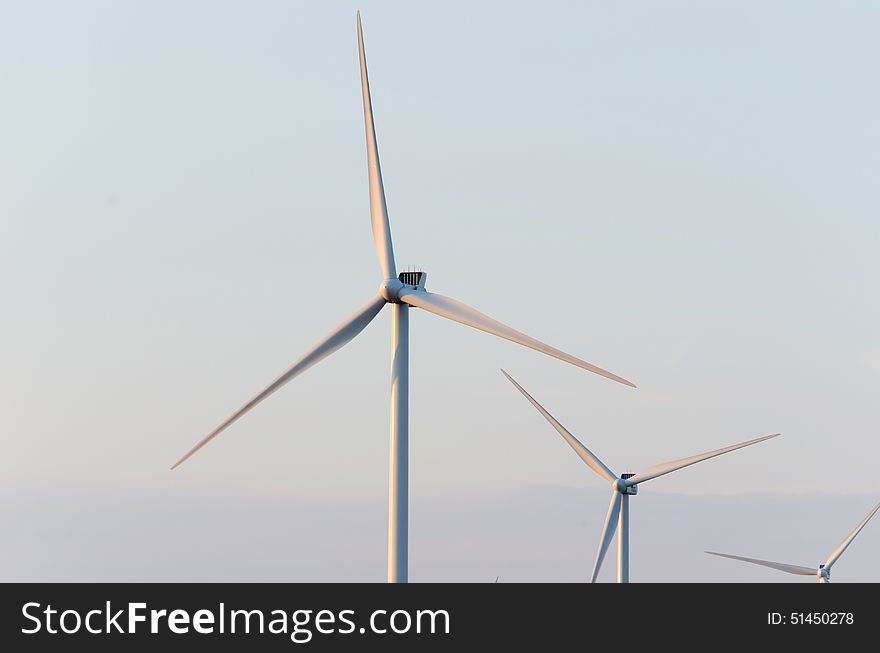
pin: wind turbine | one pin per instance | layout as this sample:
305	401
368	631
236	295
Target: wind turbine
622	487
401	291
823	571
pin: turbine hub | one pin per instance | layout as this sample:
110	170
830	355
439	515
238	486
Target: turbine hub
413	280
823	573
621	486
390	290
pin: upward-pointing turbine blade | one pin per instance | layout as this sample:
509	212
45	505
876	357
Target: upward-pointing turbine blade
781	566
673	465
341	336
849	538
607	532
454	310
585	454
378	209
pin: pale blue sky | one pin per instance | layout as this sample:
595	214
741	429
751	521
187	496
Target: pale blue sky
682	192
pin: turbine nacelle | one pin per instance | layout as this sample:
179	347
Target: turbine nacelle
390	289
824	574
621	485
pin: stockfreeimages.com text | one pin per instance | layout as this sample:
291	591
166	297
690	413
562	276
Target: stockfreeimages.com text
300	625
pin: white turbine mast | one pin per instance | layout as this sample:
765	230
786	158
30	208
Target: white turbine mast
401	291
622	487
823	571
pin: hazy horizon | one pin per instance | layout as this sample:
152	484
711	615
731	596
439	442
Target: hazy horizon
531	534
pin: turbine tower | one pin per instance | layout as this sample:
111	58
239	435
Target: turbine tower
622	487
823	571
401	291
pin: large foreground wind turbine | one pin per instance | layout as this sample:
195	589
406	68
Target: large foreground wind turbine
403	291
622	487
823	571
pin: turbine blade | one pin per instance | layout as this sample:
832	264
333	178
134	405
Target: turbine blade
781	566
378	209
454	310
340	336
849	538
673	465
607	532
585	454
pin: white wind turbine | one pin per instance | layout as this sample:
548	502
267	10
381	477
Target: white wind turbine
823	571
402	292
622	487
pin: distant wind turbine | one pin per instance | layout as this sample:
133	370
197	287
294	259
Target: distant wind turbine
401	291
823	571
622	487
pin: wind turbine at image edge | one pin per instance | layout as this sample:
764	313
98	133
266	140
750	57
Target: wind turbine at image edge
823	571
622	487
401	291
